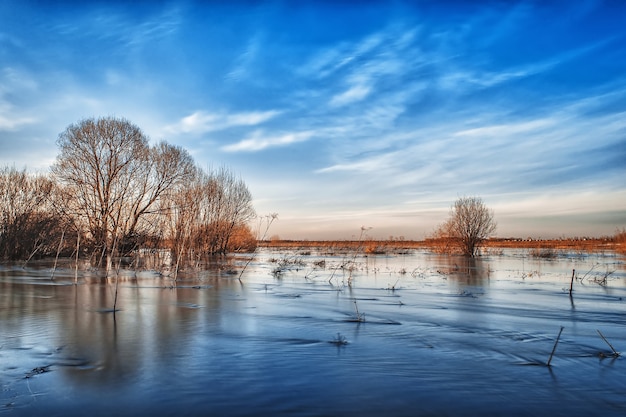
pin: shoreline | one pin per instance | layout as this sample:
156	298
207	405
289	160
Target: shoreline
381	246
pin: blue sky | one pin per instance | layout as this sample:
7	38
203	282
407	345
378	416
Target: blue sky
345	114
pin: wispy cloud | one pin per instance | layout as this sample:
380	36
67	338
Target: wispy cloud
13	86
259	141
412	100
124	29
331	60
507	130
243	63
203	122
9	122
357	92
359	68
379	164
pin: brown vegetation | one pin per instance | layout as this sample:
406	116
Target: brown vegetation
28	223
111	194
609	243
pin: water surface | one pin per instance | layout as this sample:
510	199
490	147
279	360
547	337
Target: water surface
318	334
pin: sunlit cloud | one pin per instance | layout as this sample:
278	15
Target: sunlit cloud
259	141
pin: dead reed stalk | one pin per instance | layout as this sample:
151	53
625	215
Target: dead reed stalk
615	353
555	344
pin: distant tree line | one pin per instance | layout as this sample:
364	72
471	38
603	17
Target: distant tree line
110	193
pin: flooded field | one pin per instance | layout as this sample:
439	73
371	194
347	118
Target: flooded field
319	334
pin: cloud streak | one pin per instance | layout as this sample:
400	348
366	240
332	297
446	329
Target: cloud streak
201	122
260	141
399	112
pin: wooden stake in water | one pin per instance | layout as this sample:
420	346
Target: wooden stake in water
554	348
571	284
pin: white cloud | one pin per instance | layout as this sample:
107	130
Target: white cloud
379	163
203	122
355	93
507	129
330	61
259	142
11	123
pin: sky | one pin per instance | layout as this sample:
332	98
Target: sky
343	115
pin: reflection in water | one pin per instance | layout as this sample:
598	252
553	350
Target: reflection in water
213	345
466	271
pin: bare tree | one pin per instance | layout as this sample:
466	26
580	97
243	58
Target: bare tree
111	192
469	224
181	208
206	213
229	204
26	224
98	162
167	168
113	179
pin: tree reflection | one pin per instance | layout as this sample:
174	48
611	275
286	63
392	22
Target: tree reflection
463	270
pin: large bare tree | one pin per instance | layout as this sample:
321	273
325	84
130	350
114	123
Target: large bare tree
112	177
470	223
97	162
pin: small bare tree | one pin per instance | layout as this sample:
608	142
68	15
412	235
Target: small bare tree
469	225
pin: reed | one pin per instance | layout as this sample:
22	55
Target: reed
360	317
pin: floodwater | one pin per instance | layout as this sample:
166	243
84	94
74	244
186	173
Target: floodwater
411	334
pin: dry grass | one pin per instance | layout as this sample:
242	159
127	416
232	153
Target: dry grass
540	247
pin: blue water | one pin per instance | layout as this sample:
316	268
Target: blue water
402	335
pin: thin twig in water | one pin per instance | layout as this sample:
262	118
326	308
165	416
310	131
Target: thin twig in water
39	246
77	252
360	317
615	353
554	348
56	259
588	272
